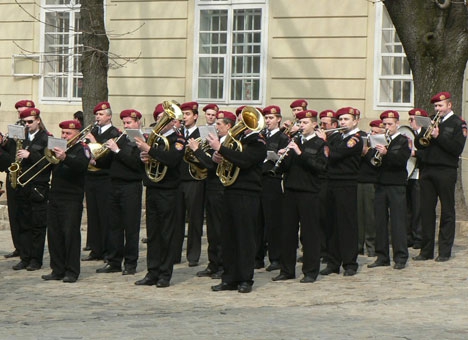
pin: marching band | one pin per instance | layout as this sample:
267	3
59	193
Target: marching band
266	187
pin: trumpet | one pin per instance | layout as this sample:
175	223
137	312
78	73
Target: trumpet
287	130
50	158
377	158
425	140
274	170
100	150
335	129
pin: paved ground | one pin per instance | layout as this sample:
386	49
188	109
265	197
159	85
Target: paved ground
426	300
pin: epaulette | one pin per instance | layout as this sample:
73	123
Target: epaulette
261	139
353	141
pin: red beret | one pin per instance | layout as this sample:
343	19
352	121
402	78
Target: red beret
189	106
306	114
158	110
30	112
345	111
101	106
357	113
440	96
130	113
226	115
299	103
70	124
272	110
239	110
376	123
211	107
327	113
418	112
24	103
389	114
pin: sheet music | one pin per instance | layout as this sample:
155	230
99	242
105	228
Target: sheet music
16	131
272	156
377	139
423	121
132	133
205	130
54	142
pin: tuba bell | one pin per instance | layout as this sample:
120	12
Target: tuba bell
154	169
250	118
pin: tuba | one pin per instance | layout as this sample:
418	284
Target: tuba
154	169
250	118
195	170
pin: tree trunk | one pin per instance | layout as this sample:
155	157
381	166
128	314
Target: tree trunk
435	39
95	58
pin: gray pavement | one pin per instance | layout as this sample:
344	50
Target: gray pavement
426	300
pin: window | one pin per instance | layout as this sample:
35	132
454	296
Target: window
62	48
394	81
229	51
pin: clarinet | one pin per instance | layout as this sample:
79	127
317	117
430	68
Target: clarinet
274	170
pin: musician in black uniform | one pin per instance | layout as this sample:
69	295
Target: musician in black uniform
413	189
9	147
439	163
31	199
296	106
65	206
390	194
211	111
343	170
241	207
98	186
161	200
306	159
192	196
269	230
214	197
126	173
366	193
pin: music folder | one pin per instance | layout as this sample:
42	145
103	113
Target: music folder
16	131
54	142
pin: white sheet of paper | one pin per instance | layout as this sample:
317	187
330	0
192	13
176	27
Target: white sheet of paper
16	131
205	130
423	121
54	142
377	139
132	133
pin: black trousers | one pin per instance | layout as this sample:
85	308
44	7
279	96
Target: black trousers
238	235
31	214
438	182
98	190
324	218
190	205
12	217
214	223
124	227
413	212
269	230
300	208
64	236
366	217
160	227
390	201
343	245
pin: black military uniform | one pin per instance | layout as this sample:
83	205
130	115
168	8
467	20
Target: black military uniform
269	231
65	210
439	162
32	205
161	199
98	189
343	170
238	233
301	206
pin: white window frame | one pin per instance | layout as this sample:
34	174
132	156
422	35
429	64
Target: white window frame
230	6
378	77
73	9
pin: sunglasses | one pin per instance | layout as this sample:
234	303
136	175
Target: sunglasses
28	121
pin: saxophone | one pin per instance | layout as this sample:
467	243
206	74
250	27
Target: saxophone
15	168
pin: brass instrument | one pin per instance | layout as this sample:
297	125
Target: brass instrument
287	130
377	158
335	129
50	158
99	150
425	140
250	118
195	170
15	168
154	169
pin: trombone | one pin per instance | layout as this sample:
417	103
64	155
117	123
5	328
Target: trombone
50	158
